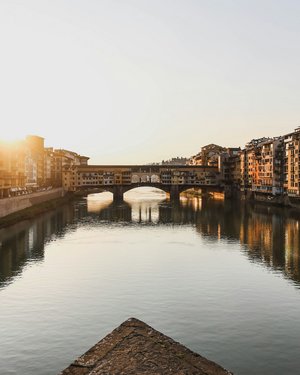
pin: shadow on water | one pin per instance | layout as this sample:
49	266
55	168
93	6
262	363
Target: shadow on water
269	236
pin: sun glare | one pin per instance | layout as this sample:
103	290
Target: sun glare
7	143
9	140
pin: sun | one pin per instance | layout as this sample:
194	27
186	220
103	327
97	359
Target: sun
10	137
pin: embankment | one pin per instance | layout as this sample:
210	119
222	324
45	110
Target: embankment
290	202
278	200
28	206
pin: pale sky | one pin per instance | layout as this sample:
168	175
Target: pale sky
137	81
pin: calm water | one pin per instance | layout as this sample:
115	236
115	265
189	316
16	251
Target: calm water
221	278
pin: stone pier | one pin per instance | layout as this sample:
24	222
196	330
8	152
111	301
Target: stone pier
136	348
118	194
174	193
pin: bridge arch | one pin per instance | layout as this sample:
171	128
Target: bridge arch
118	191
147	184
145	193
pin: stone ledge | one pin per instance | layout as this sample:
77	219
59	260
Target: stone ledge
136	348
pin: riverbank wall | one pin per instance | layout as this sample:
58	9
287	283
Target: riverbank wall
283	200
27	206
278	200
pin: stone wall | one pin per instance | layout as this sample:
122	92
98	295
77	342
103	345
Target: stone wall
11	205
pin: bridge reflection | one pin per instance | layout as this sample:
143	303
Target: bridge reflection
268	236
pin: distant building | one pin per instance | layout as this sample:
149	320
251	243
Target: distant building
34	161
12	169
5	171
229	164
175	161
262	166
208	155
268	166
248	161
227	160
57	160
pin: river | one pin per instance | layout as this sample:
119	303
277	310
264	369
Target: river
222	278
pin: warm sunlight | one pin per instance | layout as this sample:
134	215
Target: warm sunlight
150	170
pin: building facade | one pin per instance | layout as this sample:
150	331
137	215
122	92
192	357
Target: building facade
27	166
88	176
266	166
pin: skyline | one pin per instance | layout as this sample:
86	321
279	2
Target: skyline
139	81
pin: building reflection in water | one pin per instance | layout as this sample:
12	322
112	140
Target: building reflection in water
269	236
24	242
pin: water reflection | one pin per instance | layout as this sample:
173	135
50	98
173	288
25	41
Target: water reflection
24	242
269	236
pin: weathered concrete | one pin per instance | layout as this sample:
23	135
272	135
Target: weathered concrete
136	348
9	206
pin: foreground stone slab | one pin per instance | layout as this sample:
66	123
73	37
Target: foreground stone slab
136	348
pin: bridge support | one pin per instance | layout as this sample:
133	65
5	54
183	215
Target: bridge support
118	193
174	193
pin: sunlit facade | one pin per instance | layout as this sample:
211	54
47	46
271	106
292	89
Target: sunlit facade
12	169
262	166
27	166
208	155
266	166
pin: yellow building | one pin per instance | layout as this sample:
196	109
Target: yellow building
208	155
12	172
262	166
230	166
247	158
64	160
27	165
5	171
268	167
34	161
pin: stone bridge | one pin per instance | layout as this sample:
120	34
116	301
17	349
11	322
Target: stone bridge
120	178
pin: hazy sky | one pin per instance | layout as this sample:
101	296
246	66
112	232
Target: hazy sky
136	81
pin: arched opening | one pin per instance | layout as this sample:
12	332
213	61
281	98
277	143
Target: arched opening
145	178
145	193
98	201
135	179
155	178
145	203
